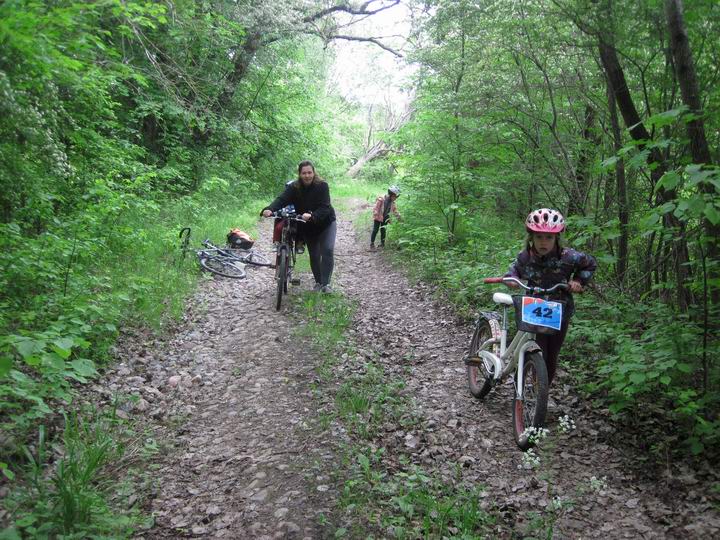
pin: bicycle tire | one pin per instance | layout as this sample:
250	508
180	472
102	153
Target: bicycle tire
531	410
222	267
479	375
281	276
255	259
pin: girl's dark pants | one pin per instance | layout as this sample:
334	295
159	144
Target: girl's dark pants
379	225
321	249
550	345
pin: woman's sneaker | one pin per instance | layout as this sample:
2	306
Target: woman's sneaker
327	289
317	287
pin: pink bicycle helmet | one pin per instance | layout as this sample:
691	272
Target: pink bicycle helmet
545	220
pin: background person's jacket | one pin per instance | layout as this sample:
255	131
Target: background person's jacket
379	213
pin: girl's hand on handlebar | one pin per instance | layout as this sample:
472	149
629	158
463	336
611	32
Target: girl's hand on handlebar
306	216
267	213
575	286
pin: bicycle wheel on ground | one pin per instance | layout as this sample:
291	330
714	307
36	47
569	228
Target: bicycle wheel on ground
531	409
481	372
256	259
281	276
223	267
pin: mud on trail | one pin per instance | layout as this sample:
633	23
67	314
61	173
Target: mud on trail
251	447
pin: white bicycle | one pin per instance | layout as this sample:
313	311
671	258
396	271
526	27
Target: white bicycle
490	359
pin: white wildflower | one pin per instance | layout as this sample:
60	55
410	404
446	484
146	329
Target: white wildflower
530	459
598	484
534	434
567	424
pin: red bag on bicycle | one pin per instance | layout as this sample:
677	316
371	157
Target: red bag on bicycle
239	239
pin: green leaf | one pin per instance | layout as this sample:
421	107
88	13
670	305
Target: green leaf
63	347
685	368
28	347
669	181
696	447
637	377
712	214
7	472
665	380
5	365
84	367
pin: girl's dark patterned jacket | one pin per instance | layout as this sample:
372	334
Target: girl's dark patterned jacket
560	266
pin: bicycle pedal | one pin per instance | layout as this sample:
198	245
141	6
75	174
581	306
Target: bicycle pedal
472	360
295	281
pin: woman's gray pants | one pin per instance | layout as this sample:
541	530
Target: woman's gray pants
322	250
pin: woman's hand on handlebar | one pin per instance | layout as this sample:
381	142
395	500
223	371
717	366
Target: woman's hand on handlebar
267	213
306	216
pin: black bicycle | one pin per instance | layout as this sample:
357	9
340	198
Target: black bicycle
285	256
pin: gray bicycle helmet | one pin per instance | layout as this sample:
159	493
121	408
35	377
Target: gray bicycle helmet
394	190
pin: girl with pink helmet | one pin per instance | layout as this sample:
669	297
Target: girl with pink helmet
545	262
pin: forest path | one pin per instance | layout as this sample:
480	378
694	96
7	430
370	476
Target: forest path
230	397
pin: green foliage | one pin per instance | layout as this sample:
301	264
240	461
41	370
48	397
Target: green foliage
654	362
72	501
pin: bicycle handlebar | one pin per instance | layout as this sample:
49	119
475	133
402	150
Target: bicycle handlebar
285	215
534	290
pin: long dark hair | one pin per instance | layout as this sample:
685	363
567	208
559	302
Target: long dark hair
307	163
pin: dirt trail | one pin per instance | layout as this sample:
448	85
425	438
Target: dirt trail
229	397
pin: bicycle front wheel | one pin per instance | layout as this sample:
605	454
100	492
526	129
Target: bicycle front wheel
281	276
529	412
480	373
223	267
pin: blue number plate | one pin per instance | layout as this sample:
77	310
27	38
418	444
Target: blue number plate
541	312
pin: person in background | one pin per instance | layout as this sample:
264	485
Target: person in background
310	195
384	206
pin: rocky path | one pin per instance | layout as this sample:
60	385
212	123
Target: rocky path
229	400
228	397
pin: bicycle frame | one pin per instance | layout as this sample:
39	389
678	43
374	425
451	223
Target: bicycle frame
512	355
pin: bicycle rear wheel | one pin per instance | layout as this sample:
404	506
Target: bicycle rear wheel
531	409
480	373
223	267
281	276
256	259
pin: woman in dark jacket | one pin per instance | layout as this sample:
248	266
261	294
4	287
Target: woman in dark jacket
311	196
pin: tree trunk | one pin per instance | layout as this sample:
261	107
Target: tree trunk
621	186
690	91
579	190
658	166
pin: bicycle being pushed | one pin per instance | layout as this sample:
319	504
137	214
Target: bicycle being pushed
285	254
490	359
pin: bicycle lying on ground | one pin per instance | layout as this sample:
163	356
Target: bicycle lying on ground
285	255
227	262
490	359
